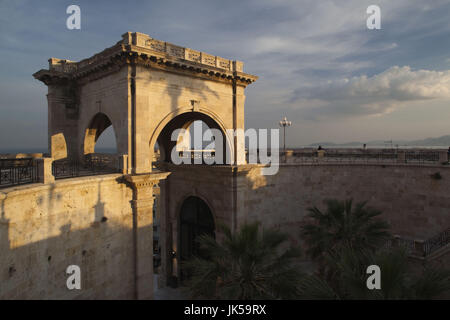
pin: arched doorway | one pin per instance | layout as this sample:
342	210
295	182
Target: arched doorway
195	219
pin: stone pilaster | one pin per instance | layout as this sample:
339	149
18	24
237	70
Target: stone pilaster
142	205
123	164
165	234
45	170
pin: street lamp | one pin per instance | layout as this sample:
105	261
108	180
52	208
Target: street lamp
285	123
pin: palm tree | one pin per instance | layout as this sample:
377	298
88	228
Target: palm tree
248	264
343	225
345	240
397	281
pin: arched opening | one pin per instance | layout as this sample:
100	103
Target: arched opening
195	219
106	142
190	136
197	131
100	143
100	125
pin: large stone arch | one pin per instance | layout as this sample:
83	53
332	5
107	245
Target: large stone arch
182	118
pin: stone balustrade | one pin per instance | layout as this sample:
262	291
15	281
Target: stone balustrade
62	65
145	41
161	47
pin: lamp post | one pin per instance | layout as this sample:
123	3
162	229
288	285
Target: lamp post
285	123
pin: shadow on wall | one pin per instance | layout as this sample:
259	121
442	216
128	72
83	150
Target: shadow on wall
175	92
411	200
36	250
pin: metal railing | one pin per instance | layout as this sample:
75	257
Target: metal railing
419	247
18	171
408	245
363	156
420	156
196	156
92	165
353	157
305	157
436	242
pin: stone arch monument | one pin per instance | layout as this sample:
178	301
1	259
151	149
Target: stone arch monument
142	85
147	88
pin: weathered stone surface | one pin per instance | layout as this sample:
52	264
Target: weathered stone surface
64	220
81	221
415	204
147	88
140	85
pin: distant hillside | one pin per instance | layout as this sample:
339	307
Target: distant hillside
431	142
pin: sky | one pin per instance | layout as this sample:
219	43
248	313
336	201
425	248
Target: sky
318	63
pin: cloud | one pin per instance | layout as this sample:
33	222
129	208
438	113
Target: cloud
294	46
376	95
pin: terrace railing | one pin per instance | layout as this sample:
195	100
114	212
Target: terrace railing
365	156
421	248
407	244
436	242
196	156
92	165
360	157
18	171
420	156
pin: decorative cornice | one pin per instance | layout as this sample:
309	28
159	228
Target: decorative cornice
140	49
147	179
50	77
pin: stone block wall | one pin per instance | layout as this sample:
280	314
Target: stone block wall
81	221
88	221
416	205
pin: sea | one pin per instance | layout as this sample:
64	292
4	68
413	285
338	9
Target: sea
45	150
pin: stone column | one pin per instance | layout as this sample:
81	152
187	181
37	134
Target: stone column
62	121
142	204
238	141
123	164
44	167
165	234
